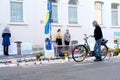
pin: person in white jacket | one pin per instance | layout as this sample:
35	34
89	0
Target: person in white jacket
67	39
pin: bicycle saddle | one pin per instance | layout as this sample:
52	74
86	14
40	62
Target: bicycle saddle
104	41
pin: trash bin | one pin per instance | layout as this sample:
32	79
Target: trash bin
18	47
48	44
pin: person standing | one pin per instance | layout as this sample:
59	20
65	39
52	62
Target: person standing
6	34
98	38
67	38
59	37
59	42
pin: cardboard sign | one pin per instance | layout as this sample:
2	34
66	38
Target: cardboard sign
1	49
49	53
26	48
12	49
116	39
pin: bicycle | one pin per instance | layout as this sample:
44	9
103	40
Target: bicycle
80	52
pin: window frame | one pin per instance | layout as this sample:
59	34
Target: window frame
55	4
17	21
115	10
70	5
101	12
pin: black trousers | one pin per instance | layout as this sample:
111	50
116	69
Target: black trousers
6	50
67	45
66	42
59	47
59	41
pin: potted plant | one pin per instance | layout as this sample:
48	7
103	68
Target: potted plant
38	55
110	50
116	51
104	50
65	53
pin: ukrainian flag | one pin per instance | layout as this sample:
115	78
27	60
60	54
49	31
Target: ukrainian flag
47	22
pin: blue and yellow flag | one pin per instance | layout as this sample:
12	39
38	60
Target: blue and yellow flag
47	22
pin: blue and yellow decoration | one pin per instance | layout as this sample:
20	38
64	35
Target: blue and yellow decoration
47	22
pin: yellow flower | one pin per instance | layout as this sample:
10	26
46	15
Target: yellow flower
66	53
110	50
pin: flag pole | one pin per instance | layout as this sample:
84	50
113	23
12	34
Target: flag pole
50	12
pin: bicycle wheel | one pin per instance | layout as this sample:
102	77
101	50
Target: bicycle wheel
79	53
104	49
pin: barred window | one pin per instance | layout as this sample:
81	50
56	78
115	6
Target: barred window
114	14
54	11
16	11
72	12
98	12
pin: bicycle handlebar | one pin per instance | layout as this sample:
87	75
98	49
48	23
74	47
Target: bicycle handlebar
104	41
86	37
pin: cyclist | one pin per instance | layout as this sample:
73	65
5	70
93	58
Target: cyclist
98	38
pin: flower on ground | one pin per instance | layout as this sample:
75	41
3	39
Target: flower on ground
66	53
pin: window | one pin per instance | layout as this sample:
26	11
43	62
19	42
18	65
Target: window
98	12
54	1
114	14
16	14
72	12
54	11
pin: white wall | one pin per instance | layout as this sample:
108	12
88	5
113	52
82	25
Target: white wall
32	30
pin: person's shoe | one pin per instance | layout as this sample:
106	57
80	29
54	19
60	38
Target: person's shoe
6	54
98	59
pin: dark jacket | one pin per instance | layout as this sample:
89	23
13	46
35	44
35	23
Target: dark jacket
6	38
98	33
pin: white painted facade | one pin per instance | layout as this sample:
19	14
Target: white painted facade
34	11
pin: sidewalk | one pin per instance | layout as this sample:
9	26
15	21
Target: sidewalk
28	60
15	57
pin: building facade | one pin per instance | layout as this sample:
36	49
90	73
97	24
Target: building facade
26	18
